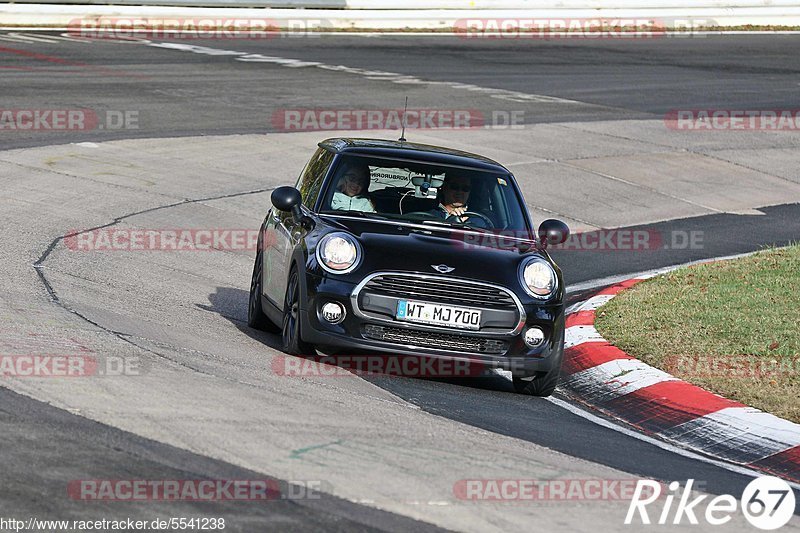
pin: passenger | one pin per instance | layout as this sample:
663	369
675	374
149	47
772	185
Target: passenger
350	194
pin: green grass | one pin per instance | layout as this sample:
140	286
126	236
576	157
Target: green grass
730	327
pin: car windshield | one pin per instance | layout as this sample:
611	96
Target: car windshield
424	193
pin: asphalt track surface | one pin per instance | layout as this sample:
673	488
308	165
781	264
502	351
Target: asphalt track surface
181	93
196	94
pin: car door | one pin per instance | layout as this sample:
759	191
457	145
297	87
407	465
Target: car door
282	233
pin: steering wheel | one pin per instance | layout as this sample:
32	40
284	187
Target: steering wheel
486	220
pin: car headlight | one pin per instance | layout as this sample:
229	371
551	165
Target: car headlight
538	278
338	253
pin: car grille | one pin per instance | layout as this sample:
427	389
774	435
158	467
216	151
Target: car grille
440	290
441	341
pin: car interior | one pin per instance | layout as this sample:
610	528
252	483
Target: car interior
411	191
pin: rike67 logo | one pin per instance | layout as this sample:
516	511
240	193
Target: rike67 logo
767	502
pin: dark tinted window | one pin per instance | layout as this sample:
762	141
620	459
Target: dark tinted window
310	180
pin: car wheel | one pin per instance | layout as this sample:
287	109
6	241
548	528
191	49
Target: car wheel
292	341
255	313
543	384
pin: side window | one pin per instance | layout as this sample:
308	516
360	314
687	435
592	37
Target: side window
310	180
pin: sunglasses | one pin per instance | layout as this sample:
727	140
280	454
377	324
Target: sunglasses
456	187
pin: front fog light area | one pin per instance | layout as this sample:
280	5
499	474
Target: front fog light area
332	312
534	337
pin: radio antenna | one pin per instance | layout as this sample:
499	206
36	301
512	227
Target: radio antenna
403	133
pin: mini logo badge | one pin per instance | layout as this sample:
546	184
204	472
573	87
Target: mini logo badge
444	269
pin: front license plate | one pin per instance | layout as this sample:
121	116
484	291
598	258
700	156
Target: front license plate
439	315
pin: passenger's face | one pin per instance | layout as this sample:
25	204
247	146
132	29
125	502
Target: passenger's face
456	191
353	183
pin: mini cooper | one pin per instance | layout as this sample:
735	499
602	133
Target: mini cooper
398	248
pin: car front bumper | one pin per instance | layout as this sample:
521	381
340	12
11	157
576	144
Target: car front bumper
361	334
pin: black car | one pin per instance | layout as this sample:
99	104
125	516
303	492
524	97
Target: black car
393	247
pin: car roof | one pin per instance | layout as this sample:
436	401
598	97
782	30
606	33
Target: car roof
411	151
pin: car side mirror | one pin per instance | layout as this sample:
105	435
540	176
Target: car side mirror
552	232
288	200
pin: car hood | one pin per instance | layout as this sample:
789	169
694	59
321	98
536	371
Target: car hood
471	255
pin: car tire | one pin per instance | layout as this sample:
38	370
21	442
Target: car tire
544	384
293	343
256	318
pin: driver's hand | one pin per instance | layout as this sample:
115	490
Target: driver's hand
458	211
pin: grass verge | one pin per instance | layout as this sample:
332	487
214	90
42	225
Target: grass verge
730	327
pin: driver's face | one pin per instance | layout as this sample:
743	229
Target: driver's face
456	191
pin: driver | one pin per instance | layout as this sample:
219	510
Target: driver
453	198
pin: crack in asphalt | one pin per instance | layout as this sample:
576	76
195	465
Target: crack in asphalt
131	338
38	266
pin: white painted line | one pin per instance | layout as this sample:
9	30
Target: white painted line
742	434
657	443
393	77
573	308
593	303
44	38
576	335
32	38
69	38
14	39
616	378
